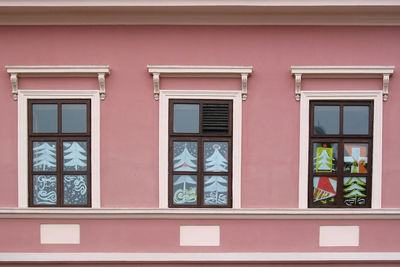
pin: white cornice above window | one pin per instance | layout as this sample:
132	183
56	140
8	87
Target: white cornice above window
158	71
99	71
354	72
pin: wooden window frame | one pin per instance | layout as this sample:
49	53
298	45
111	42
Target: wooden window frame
200	138
340	139
59	137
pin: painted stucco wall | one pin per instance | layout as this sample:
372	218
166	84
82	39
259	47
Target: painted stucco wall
129	115
163	236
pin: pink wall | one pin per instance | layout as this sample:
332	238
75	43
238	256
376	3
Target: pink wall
129	115
163	236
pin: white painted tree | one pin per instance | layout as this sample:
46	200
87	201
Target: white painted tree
75	155
185	161
217	184
324	161
183	180
216	162
44	156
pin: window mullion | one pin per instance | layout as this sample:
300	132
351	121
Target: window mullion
60	190
200	189
340	174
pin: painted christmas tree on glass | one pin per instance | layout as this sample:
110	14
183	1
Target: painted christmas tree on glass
216	162
324	159
185	189
354	189
215	190
185	161
44	156
75	156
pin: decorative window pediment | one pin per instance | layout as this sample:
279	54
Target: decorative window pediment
99	71
355	72
159	71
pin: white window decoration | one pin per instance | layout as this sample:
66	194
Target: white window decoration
23	97
380	72
164	96
97	71
306	97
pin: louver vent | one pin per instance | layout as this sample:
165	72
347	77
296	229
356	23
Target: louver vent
215	118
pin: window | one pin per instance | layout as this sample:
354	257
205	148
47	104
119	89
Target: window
200	153
59	142
340	154
166	116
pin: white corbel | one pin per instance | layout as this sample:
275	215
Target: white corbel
14	85
102	85
385	86
297	88
156	85
244	86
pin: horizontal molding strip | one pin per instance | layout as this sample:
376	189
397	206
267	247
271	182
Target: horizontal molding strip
59	70
199	71
342	71
249	214
258	257
174	3
198	12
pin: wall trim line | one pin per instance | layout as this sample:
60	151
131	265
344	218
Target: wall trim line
201	12
280	257
248	214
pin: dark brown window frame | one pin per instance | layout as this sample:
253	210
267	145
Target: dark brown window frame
59	137
340	139
200	138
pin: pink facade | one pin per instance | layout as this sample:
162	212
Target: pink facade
129	219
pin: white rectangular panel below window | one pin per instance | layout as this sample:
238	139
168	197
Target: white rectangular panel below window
60	234
339	236
199	235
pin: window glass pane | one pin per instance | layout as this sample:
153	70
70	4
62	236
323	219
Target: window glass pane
44	190
75	189
355	191
324	190
355	119
75	156
185	189
216	190
326	119
325	157
74	118
186	118
44	118
216	156
355	158
44	156
185	156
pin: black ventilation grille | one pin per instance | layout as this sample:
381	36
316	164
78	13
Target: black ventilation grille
215	118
